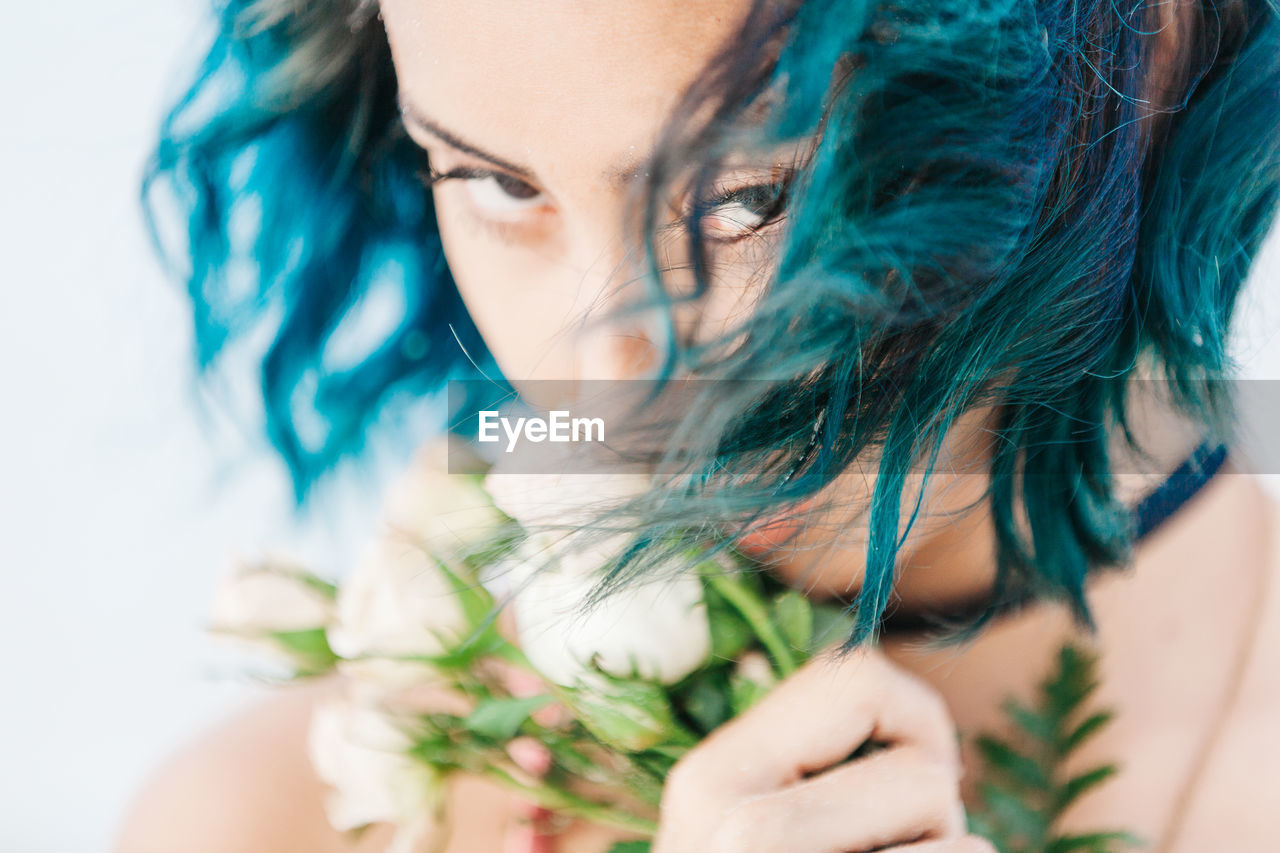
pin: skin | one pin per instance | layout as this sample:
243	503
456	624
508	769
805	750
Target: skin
569	97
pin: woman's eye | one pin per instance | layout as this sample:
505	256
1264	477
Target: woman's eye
744	210
497	195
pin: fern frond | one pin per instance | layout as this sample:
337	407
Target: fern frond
1025	788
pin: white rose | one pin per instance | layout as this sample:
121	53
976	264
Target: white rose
446	513
560	500
364	758
397	605
505	576
255	602
755	668
655	629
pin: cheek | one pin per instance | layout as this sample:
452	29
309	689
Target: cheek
508	292
739	275
820	545
485	282
527	297
824	550
742	271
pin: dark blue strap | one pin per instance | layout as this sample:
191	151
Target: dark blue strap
1155	509
1180	486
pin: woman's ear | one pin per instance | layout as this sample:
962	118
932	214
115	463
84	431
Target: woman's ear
1176	28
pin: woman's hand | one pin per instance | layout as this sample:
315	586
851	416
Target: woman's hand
776	778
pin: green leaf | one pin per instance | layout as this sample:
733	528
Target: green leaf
1037	726
433	745
473	598
631	847
627	715
794	615
1019	818
743	693
657	763
1096	842
706	700
730	633
1084	731
318	584
1074	682
831	623
308	648
981	824
503	542
1024	788
745	597
1078	786
569	757
462	656
500	719
1023	770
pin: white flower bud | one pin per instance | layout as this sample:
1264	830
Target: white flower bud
561	500
654	629
364	758
396	606
754	667
442	512
257	602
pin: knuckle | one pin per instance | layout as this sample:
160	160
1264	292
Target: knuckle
933	773
685	779
936	784
955	823
933	704
938	778
929	701
975	844
748	826
934	716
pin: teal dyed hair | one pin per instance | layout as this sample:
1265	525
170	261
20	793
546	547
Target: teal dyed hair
300	198
1009	204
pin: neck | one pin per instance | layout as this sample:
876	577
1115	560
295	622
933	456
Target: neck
1172	628
953	565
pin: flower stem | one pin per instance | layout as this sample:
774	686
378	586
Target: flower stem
573	805
755	612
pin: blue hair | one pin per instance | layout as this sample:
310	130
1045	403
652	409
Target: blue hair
298	188
1010	203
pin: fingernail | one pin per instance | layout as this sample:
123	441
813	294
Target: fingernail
530	756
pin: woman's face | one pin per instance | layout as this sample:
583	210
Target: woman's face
543	113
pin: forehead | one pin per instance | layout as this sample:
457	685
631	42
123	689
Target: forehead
534	79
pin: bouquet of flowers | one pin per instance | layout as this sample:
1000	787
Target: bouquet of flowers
585	710
607	694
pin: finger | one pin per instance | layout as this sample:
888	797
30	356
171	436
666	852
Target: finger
530	755
911	713
814	719
898	796
968	844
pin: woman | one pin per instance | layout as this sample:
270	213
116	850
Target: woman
940	240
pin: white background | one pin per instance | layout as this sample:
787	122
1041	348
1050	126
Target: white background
117	507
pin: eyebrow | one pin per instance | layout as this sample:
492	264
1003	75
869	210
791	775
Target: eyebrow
623	174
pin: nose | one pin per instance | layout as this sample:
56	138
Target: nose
612	336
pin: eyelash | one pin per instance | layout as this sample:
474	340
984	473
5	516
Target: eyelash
782	181
507	231
466	173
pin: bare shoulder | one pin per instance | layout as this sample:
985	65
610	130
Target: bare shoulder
1235	805
246	786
